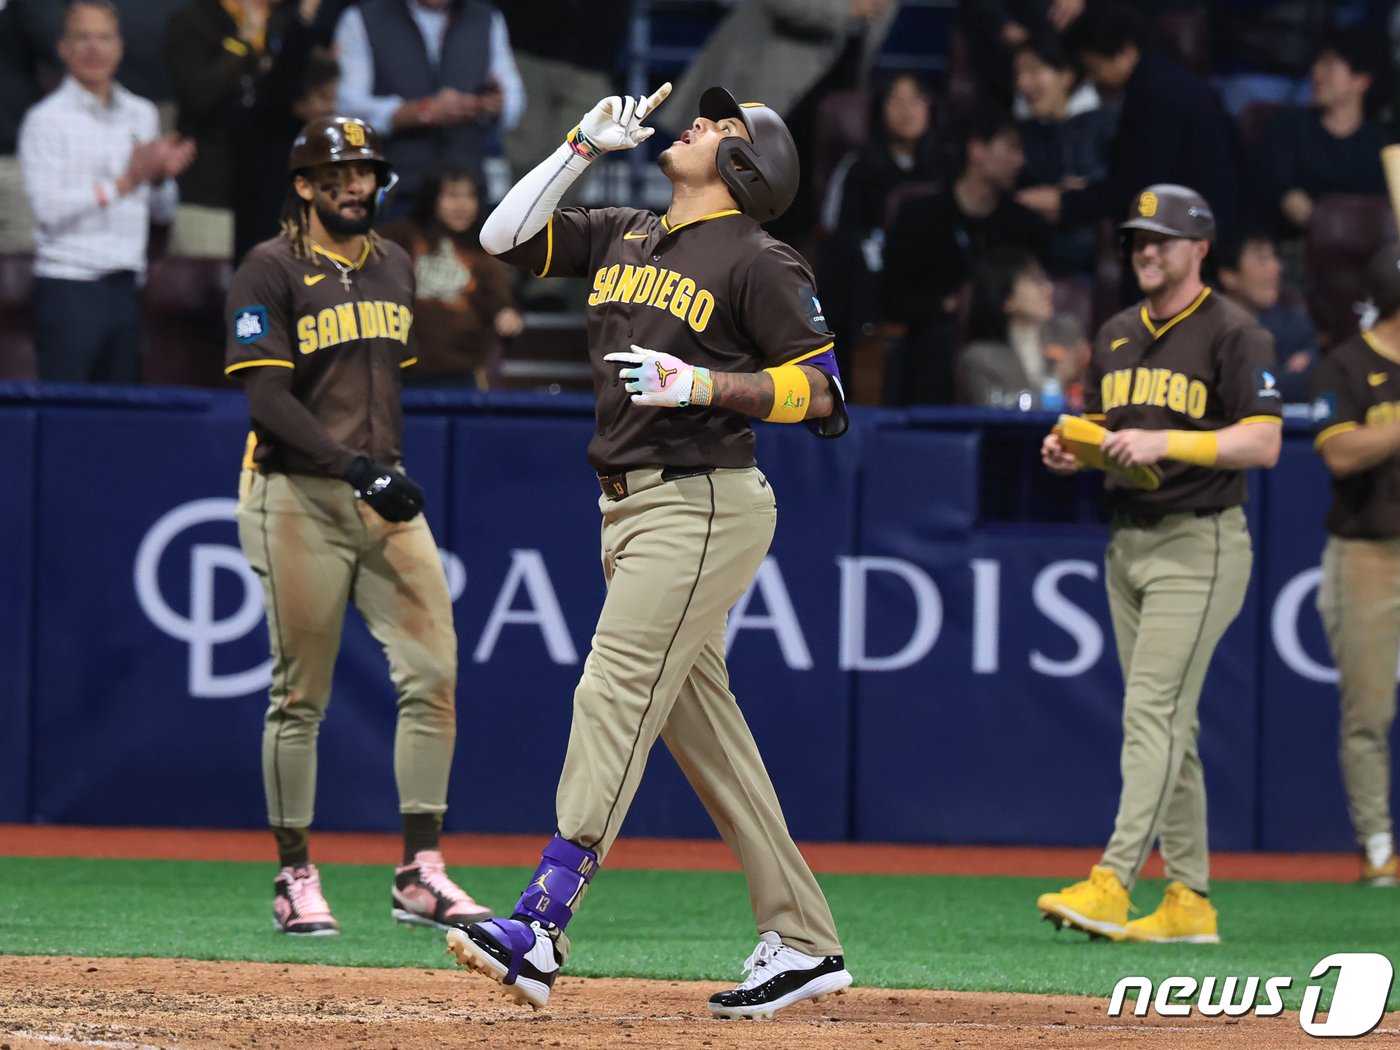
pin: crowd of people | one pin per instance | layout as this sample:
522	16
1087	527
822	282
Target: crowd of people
965	242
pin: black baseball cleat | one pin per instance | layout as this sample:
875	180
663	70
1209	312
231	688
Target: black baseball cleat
778	976
520	957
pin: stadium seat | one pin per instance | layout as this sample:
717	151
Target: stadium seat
1185	32
183	313
1108	273
1346	229
842	123
1075	296
17	317
551	354
961	83
1255	119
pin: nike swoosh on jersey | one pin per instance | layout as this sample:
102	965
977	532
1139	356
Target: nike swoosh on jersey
312	278
1377	378
634	236
1118	342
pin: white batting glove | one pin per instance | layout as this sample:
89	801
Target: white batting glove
663	381
616	123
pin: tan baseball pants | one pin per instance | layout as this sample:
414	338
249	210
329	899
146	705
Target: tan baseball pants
1173	589
676	556
1359	601
316	548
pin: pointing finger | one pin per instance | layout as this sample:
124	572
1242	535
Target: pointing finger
653	100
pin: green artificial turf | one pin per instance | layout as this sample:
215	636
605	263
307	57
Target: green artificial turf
899	931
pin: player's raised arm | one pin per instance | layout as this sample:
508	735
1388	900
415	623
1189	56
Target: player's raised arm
615	123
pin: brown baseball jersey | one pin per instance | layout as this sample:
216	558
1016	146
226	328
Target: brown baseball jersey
1207	368
342	327
1356	385
717	292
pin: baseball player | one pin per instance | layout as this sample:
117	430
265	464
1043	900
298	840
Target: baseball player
697	320
1183	381
1357	393
320	323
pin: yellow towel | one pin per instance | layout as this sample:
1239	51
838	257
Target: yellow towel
1085	439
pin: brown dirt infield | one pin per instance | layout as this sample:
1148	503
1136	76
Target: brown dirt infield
141	1004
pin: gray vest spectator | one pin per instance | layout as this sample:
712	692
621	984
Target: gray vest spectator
404	67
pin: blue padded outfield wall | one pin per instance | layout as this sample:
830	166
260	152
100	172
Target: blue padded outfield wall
924	657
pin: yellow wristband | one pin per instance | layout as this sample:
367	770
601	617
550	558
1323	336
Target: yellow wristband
1200	447
792	394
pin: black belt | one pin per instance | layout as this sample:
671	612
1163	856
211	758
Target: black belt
1129	519
614	486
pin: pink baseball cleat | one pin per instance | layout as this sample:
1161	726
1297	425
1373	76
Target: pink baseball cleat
299	908
424	895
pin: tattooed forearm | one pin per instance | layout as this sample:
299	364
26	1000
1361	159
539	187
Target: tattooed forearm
748	392
752	393
823	404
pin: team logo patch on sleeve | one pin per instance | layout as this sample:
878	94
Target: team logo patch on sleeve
1323	408
1266	385
812	307
249	323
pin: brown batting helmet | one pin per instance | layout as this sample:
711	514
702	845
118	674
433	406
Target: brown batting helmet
761	174
336	140
1177	211
1383	279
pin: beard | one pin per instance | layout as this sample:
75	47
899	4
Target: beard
340	224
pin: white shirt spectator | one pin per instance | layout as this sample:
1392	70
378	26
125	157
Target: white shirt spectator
72	149
357	95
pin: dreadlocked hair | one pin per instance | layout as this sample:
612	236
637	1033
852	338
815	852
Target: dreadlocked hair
296	228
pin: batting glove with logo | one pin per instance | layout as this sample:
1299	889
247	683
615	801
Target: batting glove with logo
663	381
392	493
616	123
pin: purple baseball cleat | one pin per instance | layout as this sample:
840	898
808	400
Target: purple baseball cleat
520	957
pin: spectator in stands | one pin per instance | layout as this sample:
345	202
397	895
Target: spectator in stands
28	32
566	50
788	56
1066	134
935	242
1333	147
216	52
436	77
300	86
1264	48
900	151
1251	274
994	30
1003	364
1067	353
143	70
97	172
464	303
1171	126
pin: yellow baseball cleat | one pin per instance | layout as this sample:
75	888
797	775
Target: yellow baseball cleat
1183	917
1098	905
